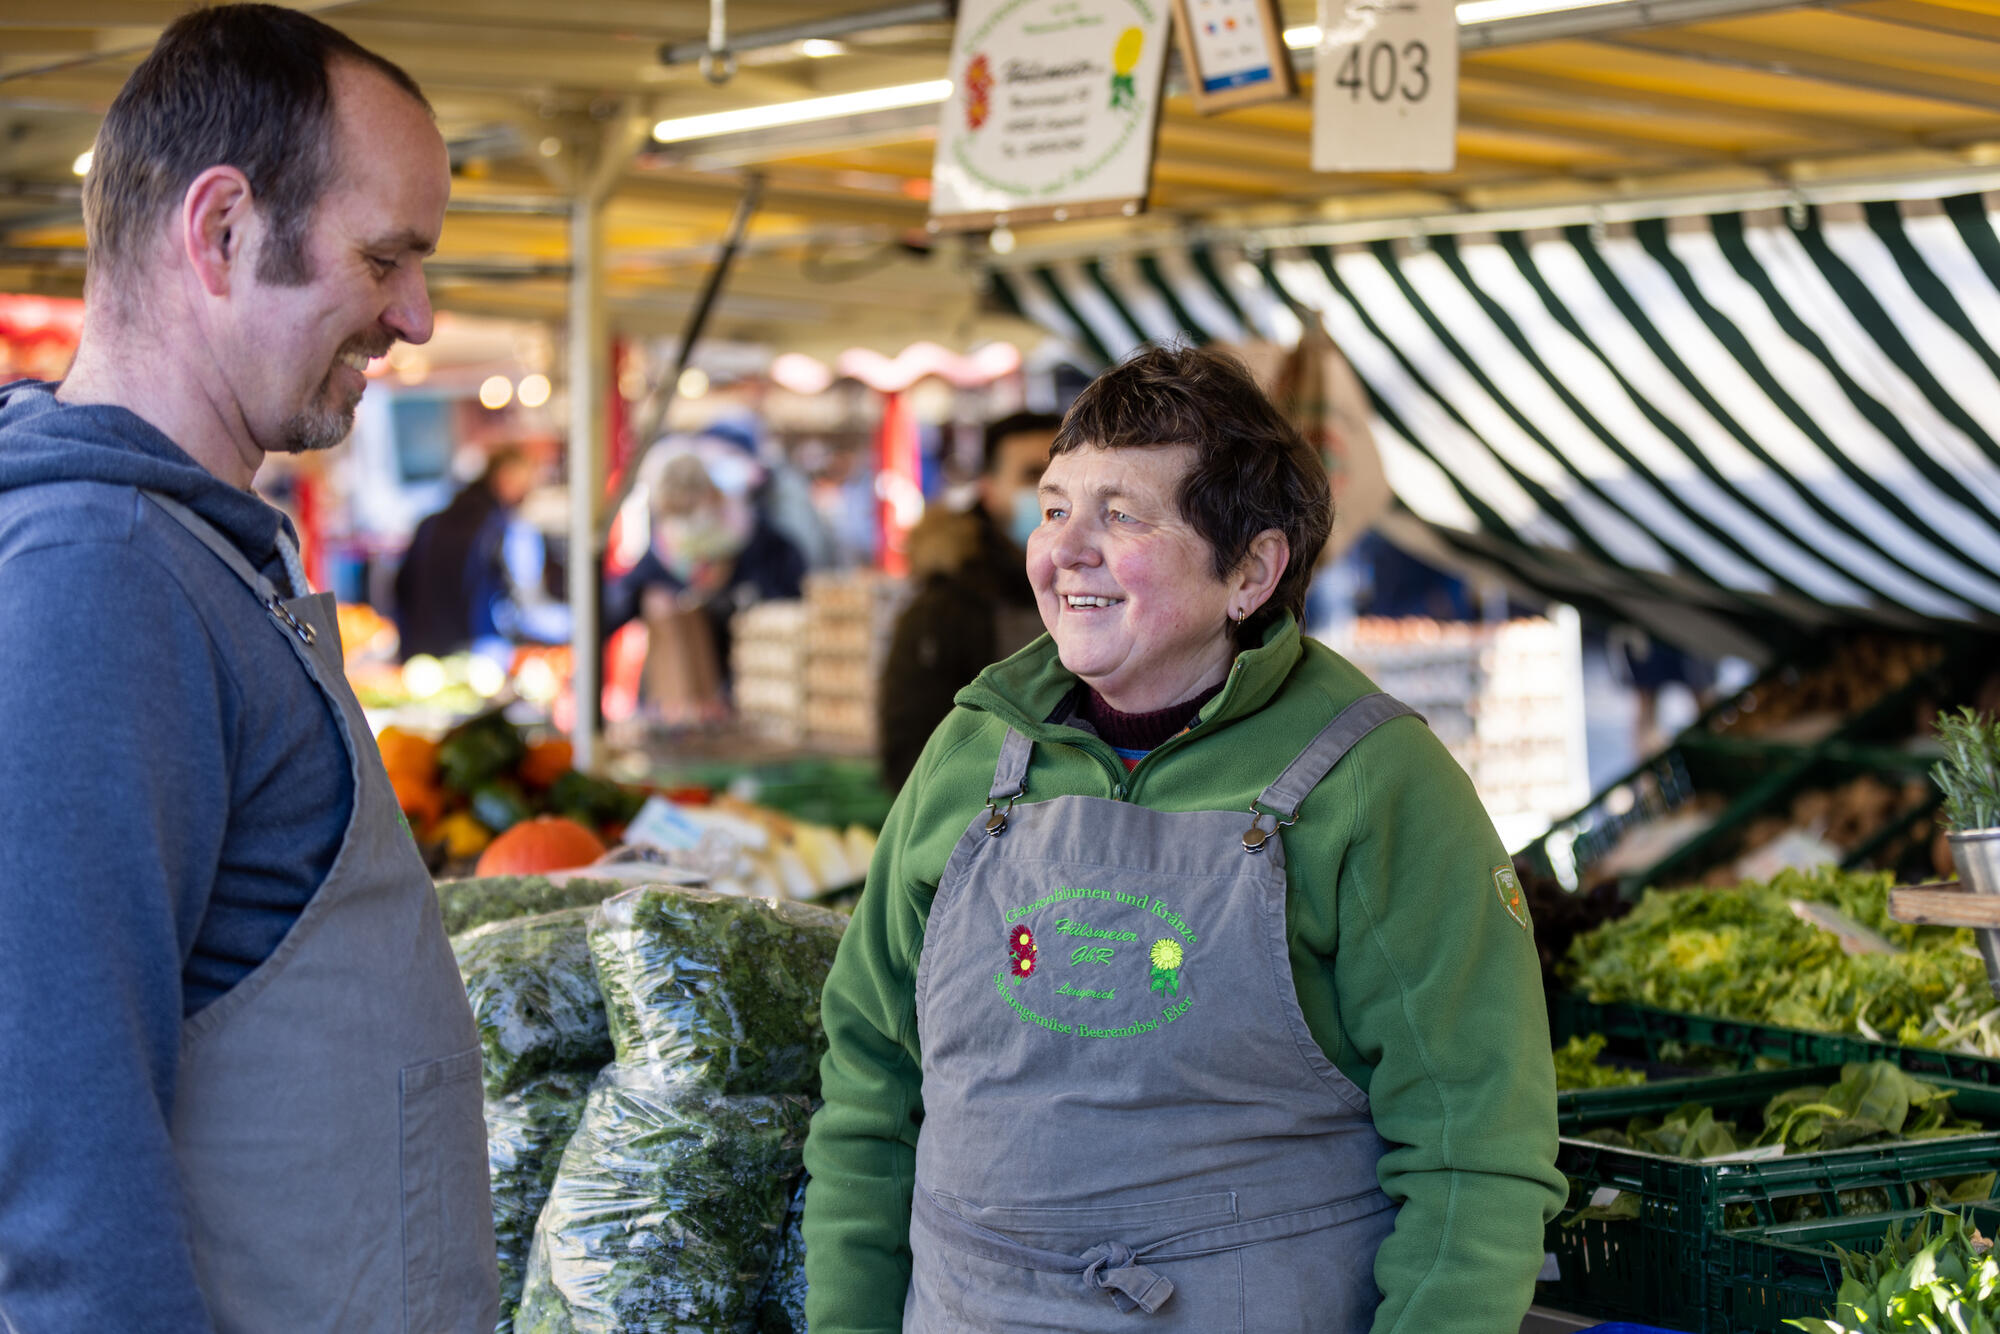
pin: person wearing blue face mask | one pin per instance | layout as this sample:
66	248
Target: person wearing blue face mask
973	605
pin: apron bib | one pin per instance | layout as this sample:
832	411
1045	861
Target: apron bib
1127	1122
327	1118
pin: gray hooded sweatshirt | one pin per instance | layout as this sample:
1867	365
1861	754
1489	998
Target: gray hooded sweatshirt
173	789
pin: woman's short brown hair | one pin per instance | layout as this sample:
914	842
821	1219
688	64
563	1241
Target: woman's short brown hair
1252	468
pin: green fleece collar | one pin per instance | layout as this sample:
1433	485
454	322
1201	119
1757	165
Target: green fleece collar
1022	691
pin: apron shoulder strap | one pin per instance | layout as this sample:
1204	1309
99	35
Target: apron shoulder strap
226	552
1010	775
1284	797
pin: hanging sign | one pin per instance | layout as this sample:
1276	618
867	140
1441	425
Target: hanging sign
1385	86
1235	53
1053	111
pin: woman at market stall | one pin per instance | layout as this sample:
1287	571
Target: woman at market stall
1190	978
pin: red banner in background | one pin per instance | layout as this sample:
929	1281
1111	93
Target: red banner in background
899	483
38	336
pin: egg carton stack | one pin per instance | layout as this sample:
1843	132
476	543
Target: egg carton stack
1505	698
767	664
850	615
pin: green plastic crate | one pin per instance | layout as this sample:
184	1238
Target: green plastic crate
1654	1267
1760	1277
1642	1032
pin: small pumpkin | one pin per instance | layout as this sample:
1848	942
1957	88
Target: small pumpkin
546	761
545	843
408	756
422	803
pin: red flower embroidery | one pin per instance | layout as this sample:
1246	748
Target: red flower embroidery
1021	940
1024	965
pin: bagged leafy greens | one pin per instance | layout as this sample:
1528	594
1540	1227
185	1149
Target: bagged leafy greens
526	1132
782	1309
534	997
716	989
495	898
667	1211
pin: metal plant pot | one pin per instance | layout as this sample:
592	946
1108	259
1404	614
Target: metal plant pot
1976	855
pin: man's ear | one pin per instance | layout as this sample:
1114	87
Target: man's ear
215	219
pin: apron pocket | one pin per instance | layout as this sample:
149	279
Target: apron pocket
449	1275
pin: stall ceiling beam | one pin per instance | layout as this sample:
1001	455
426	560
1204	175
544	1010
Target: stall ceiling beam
1758	58
833	25
1588	95
1929	18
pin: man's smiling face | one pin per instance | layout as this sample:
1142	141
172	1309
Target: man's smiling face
297	377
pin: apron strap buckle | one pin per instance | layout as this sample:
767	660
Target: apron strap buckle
1112	1268
283	613
1256	836
996	820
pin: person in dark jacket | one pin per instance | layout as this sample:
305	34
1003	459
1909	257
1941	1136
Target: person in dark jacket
453	580
239	1079
973	604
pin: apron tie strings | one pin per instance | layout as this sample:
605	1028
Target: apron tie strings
1112	1268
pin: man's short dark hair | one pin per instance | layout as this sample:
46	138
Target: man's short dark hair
1252	468
244	86
1021	423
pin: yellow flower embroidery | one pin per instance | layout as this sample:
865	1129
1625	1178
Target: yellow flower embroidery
1166	954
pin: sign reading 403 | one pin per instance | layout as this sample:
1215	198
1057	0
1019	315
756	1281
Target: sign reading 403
1385	87
1054	108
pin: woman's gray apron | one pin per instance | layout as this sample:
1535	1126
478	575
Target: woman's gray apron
327	1118
1128	1124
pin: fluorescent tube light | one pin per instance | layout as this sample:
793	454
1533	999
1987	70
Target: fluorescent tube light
1307	35
802	111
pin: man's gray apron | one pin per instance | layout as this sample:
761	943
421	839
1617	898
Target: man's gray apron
327	1118
1128	1124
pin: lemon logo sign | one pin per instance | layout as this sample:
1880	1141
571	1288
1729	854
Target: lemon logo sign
1125	59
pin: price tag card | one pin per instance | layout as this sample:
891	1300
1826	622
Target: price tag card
1235	53
1385	86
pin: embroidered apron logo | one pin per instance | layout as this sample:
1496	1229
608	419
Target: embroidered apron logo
1166	959
1021	952
1508	885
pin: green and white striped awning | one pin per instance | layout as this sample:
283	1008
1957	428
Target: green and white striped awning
1714	425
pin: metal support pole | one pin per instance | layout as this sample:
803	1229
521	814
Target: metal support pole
602	163
589	359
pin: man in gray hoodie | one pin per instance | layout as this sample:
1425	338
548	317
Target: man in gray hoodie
238	1077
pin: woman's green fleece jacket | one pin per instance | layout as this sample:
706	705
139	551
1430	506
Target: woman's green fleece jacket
1410	950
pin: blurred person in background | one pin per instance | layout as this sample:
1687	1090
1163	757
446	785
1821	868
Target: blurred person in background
973	604
472	577
712	554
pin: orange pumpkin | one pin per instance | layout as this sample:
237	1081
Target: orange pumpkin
546	761
409	756
421	802
545	843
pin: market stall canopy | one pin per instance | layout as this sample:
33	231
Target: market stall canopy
1725	425
1607	102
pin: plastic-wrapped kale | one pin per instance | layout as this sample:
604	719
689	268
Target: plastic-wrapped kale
534	997
782	1309
716	989
495	898
666	1212
526	1132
